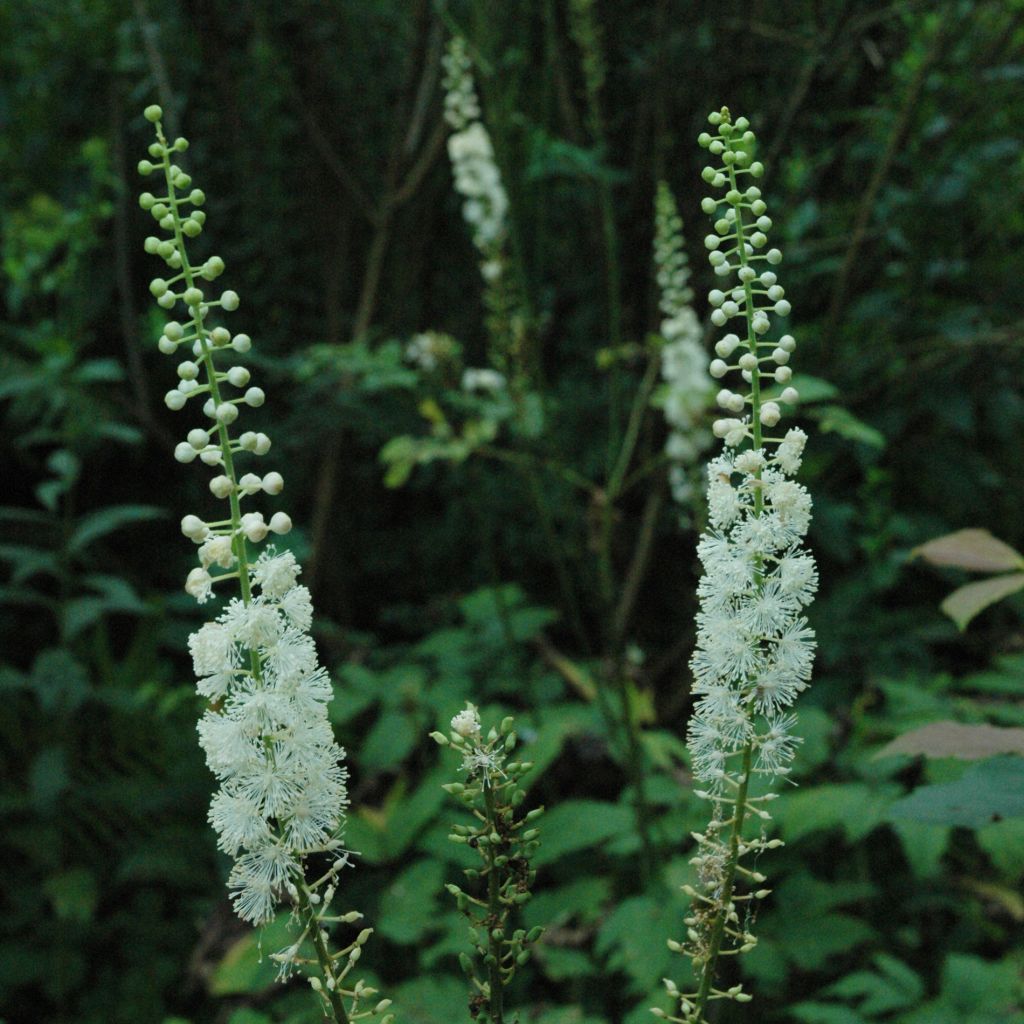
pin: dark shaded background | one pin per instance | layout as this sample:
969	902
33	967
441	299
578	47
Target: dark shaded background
892	136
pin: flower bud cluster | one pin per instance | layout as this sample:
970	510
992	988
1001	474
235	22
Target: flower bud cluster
223	392
754	648
505	842
476	173
685	396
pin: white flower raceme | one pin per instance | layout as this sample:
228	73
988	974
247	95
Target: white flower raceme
267	736
754	648
475	170
269	741
687	387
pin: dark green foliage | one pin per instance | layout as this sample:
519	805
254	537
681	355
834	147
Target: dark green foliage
896	171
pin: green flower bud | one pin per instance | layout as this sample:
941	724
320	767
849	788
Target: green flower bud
145	167
439	738
192	227
229	301
157	287
153	113
148	201
155	150
166	249
180	144
193	296
197	197
152	245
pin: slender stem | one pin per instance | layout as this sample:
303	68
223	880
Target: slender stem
312	928
718	929
495	987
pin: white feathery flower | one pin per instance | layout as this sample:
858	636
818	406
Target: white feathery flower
474	166
467	723
482	379
275	574
297	606
213	650
686	389
216	551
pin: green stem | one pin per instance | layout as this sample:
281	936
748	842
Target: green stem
728	885
308	919
495	987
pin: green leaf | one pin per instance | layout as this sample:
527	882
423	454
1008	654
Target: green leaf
985	793
825	1013
953	739
581	899
923	845
393	735
972	549
246	967
834	419
104	521
633	938
74	895
436	1000
894	987
967	601
854	807
408	907
1003	842
579	825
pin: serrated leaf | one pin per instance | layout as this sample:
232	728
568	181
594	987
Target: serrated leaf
954	739
967	601
579	825
854	807
972	549
633	939
985	793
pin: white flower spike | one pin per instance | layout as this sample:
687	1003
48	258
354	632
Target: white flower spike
754	647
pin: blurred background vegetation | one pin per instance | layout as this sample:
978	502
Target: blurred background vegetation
892	135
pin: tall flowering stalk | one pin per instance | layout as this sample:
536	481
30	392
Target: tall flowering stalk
266	735
686	390
754	648
505	842
485	206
